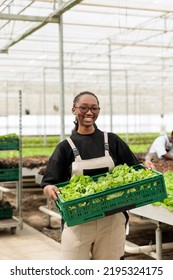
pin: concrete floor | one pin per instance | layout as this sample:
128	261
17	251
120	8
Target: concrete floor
27	244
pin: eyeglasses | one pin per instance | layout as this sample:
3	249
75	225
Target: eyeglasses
85	109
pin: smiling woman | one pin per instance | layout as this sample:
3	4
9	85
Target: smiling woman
88	151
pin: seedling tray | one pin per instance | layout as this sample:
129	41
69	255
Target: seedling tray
111	201
9	174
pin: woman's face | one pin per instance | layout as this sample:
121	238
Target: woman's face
86	110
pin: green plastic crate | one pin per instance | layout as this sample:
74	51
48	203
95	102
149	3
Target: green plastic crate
9	142
9	174
6	212
111	201
9	145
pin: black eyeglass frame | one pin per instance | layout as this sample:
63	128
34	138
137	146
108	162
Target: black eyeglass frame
94	110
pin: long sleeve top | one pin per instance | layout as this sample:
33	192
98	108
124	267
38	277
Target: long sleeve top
89	146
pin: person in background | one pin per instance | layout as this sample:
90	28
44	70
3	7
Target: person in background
89	151
161	148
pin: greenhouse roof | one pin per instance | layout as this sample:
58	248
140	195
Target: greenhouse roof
107	45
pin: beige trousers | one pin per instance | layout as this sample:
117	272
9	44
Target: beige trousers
102	239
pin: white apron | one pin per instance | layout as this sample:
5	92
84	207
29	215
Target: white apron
102	239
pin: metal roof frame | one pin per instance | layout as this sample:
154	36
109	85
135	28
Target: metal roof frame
103	44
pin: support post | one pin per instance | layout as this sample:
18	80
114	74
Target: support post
158	234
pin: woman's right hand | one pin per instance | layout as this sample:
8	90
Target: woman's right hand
51	191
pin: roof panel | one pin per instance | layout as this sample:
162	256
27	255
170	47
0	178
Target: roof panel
130	37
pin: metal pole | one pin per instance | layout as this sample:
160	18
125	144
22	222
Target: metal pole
158	234
110	85
127	112
20	162
7	107
61	74
162	126
44	106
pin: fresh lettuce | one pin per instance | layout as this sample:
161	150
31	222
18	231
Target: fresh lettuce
83	185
